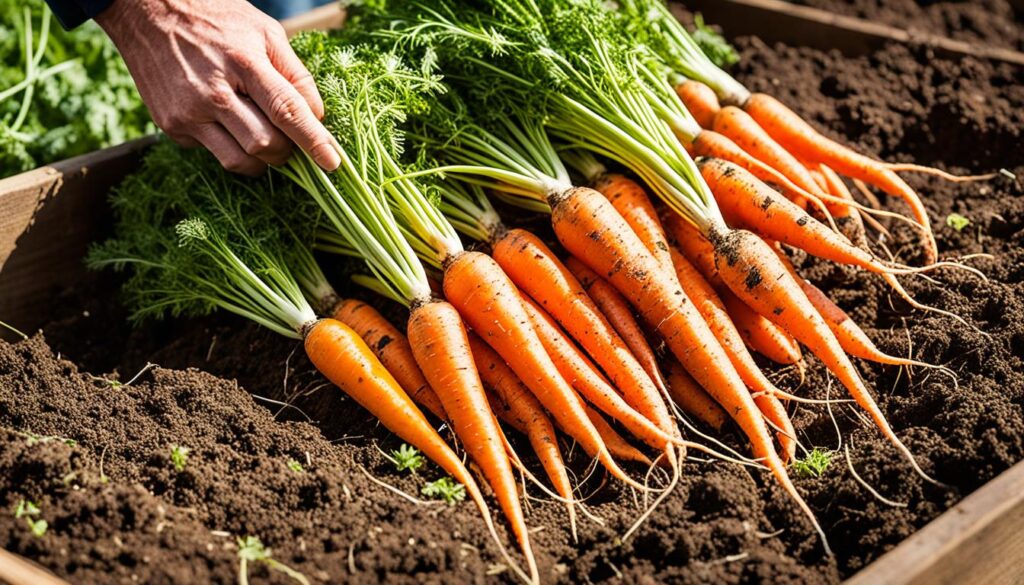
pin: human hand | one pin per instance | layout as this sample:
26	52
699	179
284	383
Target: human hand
221	74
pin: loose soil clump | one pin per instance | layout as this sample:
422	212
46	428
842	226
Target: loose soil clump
117	507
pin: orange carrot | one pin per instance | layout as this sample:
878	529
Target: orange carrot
853	339
345	359
710	144
493	307
760	334
589	228
748	135
619	314
630	199
848	219
717	318
753	271
392	349
806	143
513	403
617	445
543	277
583	376
441	347
748	203
765	335
701	102
692	398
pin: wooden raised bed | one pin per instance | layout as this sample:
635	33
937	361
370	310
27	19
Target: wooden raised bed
49	216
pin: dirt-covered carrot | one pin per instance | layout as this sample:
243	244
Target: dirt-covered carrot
393	350
536	270
747	202
619	446
713	310
755	273
692	398
620	315
513	403
760	334
583	376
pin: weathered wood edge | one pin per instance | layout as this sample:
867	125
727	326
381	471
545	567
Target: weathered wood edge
978	541
18	570
777	20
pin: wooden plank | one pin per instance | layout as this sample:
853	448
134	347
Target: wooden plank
17	570
48	217
779	21
323	18
979	541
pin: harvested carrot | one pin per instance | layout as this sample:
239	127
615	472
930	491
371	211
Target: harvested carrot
392	349
620	315
512	402
590	228
848	219
766	337
539	273
701	101
753	271
747	202
748	135
630	199
345	359
853	339
760	334
799	138
493	307
441	347
692	398
583	376
617	445
717	318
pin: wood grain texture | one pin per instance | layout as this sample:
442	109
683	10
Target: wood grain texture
48	218
779	21
17	570
980	541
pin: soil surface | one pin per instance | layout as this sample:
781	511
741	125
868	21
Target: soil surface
991	22
118	511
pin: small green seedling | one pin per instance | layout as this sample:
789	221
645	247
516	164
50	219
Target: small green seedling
814	464
295	466
34	439
445	489
408	457
957	221
251	550
26	509
179	457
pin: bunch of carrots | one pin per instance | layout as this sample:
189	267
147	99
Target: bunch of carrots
592	114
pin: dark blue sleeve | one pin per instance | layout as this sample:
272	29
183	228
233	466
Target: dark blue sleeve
72	13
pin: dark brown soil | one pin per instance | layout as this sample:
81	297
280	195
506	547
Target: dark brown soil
990	22
723	524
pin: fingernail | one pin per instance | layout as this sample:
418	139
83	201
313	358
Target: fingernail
326	155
